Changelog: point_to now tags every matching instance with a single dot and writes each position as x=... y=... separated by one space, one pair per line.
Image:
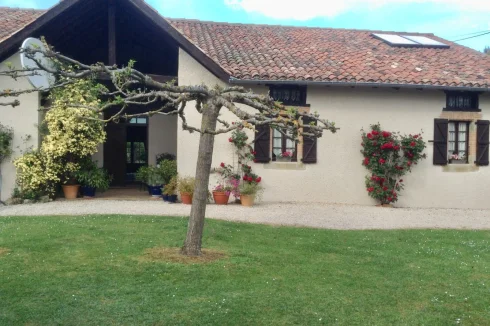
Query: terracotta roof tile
x=14 y=19
x=325 y=54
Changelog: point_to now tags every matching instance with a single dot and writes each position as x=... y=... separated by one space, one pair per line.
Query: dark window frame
x=283 y=146
x=456 y=140
x=133 y=151
x=473 y=98
x=281 y=88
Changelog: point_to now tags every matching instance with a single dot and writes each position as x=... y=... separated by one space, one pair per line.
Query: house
x=408 y=82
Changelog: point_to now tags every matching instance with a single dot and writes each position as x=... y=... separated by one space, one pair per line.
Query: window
x=462 y=101
x=281 y=144
x=289 y=95
x=135 y=153
x=457 y=144
x=138 y=121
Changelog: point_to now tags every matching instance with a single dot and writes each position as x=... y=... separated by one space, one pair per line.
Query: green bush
x=6 y=138
x=90 y=175
x=186 y=185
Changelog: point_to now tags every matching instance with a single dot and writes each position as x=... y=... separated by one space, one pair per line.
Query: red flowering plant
x=226 y=175
x=389 y=156
x=245 y=153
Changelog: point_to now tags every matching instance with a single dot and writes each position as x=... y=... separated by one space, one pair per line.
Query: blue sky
x=450 y=19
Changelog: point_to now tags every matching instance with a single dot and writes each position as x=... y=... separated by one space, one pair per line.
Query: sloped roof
x=14 y=19
x=278 y=53
x=301 y=54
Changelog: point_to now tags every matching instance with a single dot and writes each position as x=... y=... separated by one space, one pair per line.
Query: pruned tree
x=131 y=87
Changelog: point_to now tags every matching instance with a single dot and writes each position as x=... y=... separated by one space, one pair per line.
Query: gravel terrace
x=317 y=215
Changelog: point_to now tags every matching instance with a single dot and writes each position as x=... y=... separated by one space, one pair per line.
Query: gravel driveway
x=328 y=216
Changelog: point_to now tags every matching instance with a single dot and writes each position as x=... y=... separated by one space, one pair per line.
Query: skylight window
x=410 y=41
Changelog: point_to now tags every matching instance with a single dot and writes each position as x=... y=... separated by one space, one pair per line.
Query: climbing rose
x=250 y=179
x=381 y=161
x=222 y=164
x=374 y=132
x=370 y=136
x=258 y=179
x=412 y=144
x=366 y=161
x=386 y=134
x=396 y=148
x=409 y=163
x=416 y=136
x=245 y=178
x=230 y=140
x=370 y=189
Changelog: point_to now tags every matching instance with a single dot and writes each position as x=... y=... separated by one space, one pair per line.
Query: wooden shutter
x=440 y=141
x=482 y=138
x=309 y=144
x=262 y=144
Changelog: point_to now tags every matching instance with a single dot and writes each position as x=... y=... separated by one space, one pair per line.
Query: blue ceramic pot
x=165 y=197
x=88 y=191
x=172 y=198
x=155 y=191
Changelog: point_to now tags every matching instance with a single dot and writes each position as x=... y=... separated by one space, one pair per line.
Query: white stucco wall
x=162 y=136
x=338 y=177
x=23 y=119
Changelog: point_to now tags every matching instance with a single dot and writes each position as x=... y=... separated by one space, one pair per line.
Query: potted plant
x=249 y=192
x=221 y=192
x=170 y=190
x=93 y=178
x=155 y=181
x=284 y=156
x=186 y=188
x=142 y=176
x=70 y=185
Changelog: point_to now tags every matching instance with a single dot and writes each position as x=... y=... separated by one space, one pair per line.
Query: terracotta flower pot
x=247 y=200
x=186 y=198
x=221 y=197
x=70 y=191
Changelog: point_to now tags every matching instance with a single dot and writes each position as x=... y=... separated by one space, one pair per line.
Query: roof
x=273 y=53
x=14 y=19
x=285 y=53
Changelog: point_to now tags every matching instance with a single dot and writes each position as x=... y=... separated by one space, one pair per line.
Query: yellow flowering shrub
x=74 y=132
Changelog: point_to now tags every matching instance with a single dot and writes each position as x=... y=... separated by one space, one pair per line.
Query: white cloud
x=19 y=3
x=309 y=9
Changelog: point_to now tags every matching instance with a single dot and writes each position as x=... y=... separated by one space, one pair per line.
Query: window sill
x=285 y=166
x=460 y=168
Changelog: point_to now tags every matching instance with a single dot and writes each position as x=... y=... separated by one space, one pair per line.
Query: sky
x=449 y=19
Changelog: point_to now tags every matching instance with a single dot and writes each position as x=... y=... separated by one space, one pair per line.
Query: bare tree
x=132 y=87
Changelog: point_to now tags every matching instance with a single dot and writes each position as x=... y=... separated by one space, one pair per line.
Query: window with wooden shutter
x=440 y=141
x=262 y=144
x=309 y=143
x=482 y=139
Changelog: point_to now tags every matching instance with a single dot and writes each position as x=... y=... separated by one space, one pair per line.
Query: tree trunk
x=193 y=241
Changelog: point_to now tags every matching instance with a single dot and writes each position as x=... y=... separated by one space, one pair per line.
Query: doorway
x=126 y=149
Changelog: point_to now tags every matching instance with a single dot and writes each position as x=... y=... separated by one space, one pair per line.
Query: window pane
x=452 y=126
x=277 y=142
x=277 y=151
x=128 y=152
x=133 y=120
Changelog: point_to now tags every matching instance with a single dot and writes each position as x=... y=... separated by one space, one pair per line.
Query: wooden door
x=115 y=152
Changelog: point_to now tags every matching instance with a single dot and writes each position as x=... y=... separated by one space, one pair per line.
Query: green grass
x=88 y=270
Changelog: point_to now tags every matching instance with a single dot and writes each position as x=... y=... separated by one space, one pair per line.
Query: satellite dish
x=42 y=79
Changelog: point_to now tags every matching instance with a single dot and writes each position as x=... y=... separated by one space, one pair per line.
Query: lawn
x=92 y=270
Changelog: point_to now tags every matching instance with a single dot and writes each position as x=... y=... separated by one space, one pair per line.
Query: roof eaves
x=233 y=80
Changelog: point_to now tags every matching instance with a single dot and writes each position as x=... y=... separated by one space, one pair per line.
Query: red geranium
x=366 y=161
x=245 y=178
x=370 y=136
x=374 y=132
x=412 y=144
